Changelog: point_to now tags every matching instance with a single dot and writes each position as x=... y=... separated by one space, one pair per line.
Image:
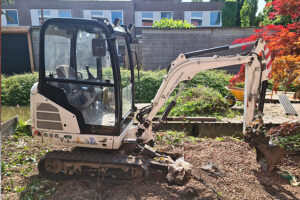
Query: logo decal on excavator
x=92 y=141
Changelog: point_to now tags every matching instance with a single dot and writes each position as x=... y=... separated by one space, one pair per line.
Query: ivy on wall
x=229 y=14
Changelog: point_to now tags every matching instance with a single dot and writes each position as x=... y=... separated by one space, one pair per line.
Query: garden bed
x=242 y=175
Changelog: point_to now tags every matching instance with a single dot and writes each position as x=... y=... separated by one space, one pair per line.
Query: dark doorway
x=15 y=54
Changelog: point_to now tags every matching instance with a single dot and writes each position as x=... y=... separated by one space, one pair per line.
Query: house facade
x=142 y=13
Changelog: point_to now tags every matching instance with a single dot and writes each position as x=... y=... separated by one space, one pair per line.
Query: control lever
x=90 y=75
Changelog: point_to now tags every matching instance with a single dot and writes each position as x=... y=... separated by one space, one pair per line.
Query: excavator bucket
x=268 y=155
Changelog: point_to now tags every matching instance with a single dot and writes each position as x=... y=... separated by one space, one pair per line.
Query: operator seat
x=76 y=94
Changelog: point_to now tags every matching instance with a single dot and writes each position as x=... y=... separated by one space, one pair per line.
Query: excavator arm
x=186 y=66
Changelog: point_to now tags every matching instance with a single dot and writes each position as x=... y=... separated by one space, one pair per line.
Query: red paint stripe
x=265 y=47
x=268 y=65
x=268 y=54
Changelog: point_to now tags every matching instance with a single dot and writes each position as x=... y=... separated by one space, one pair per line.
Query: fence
x=162 y=46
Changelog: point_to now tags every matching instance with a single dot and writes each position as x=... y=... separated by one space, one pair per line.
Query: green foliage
x=37 y=190
x=290 y=142
x=229 y=14
x=23 y=129
x=6 y=2
x=171 y=23
x=15 y=90
x=281 y=87
x=279 y=19
x=200 y=101
x=248 y=12
x=174 y=137
x=238 y=12
x=215 y=79
x=150 y=83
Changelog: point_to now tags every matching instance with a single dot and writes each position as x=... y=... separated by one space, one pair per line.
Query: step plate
x=288 y=107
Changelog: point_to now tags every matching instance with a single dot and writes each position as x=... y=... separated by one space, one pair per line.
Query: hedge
x=16 y=88
x=171 y=23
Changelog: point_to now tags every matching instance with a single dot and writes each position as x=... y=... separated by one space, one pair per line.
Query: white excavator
x=83 y=100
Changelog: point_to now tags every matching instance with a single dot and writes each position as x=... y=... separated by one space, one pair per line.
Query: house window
x=167 y=15
x=96 y=14
x=215 y=18
x=46 y=15
x=196 y=18
x=117 y=14
x=147 y=18
x=12 y=17
x=64 y=13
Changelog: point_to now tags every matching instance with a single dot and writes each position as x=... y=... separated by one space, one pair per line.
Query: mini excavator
x=83 y=101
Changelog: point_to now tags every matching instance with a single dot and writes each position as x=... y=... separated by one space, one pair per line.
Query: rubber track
x=88 y=157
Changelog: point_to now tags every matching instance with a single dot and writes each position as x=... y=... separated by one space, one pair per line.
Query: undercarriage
x=110 y=166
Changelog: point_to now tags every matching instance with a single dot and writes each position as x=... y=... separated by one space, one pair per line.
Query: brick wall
x=161 y=47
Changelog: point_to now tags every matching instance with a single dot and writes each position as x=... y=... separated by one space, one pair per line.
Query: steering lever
x=90 y=75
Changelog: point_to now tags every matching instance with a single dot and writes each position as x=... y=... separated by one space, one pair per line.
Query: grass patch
x=174 y=137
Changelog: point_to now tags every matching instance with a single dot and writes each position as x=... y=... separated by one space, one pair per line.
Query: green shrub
x=171 y=23
x=215 y=79
x=200 y=101
x=15 y=90
x=150 y=83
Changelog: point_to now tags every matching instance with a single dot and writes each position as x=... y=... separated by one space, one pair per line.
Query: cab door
x=127 y=78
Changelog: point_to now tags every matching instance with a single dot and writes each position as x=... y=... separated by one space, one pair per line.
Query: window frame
x=122 y=20
x=65 y=10
x=166 y=12
x=95 y=16
x=18 y=24
x=147 y=18
x=197 y=18
x=220 y=24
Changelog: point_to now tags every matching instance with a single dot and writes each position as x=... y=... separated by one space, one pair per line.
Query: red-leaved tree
x=284 y=43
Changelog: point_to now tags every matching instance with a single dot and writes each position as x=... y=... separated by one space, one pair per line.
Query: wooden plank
x=19 y=29
x=30 y=51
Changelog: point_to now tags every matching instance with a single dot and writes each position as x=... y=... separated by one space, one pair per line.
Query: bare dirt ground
x=243 y=178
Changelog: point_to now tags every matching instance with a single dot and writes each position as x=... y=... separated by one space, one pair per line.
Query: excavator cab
x=81 y=89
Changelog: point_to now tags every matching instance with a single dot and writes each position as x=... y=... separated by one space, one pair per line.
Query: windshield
x=79 y=55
